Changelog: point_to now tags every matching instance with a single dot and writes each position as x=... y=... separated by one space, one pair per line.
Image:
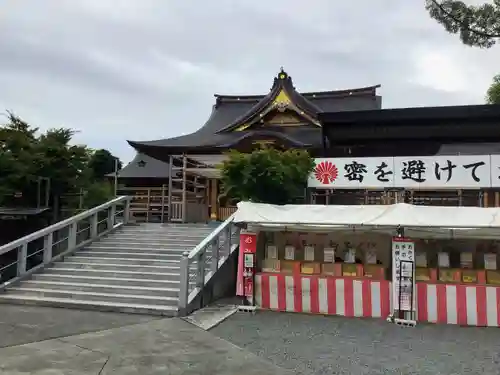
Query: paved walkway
x=322 y=345
x=20 y=324
x=156 y=346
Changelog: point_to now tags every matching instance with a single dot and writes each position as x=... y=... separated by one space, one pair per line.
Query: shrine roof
x=230 y=111
x=143 y=166
x=415 y=114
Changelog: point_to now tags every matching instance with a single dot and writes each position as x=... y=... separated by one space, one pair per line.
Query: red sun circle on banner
x=326 y=172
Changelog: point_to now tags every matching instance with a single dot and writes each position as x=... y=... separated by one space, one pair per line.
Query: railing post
x=72 y=235
x=47 y=248
x=184 y=280
x=111 y=216
x=200 y=269
x=214 y=266
x=126 y=211
x=227 y=241
x=94 y=223
x=22 y=257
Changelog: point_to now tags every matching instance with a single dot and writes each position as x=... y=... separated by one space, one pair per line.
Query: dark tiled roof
x=479 y=148
x=424 y=115
x=144 y=166
x=230 y=108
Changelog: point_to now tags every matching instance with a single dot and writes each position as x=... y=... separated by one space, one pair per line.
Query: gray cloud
x=147 y=69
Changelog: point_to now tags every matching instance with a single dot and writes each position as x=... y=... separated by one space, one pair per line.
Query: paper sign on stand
x=271 y=252
x=289 y=252
x=329 y=255
x=490 y=261
x=309 y=253
x=403 y=275
x=443 y=260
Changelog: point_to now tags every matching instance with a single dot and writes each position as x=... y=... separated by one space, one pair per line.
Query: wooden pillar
x=497 y=199
x=485 y=199
x=213 y=199
x=184 y=189
x=170 y=187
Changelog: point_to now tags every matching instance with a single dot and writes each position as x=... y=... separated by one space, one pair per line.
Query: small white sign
x=443 y=260
x=371 y=256
x=289 y=252
x=248 y=262
x=490 y=261
x=329 y=255
x=271 y=252
x=466 y=260
x=309 y=253
x=421 y=259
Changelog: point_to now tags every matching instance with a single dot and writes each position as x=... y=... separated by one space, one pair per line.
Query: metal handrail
x=221 y=248
x=56 y=247
x=60 y=225
x=206 y=241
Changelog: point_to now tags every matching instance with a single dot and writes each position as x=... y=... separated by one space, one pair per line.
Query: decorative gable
x=283 y=98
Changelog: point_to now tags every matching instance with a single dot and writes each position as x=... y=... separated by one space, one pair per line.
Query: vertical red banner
x=248 y=245
x=248 y=242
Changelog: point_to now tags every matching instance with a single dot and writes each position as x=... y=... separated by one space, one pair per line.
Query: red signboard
x=248 y=242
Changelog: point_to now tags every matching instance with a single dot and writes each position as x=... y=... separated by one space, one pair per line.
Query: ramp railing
x=26 y=255
x=199 y=265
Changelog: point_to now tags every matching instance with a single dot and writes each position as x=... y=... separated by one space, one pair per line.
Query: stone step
x=131 y=246
x=134 y=269
x=140 y=250
x=68 y=263
x=112 y=273
x=102 y=287
x=168 y=232
x=150 y=244
x=129 y=308
x=94 y=296
x=161 y=239
x=146 y=255
x=95 y=278
x=124 y=260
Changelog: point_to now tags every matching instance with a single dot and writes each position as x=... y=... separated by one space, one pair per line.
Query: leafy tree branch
x=477 y=26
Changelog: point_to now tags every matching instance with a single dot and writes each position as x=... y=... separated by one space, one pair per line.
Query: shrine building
x=348 y=132
x=284 y=118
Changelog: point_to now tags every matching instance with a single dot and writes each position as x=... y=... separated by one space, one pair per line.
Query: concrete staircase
x=134 y=269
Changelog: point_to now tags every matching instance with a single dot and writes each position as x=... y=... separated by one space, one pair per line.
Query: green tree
x=266 y=176
x=26 y=156
x=18 y=160
x=477 y=25
x=493 y=93
x=102 y=162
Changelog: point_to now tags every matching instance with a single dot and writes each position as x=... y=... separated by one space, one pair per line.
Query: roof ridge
x=305 y=94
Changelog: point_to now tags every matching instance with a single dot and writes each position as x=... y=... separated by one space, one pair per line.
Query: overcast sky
x=147 y=69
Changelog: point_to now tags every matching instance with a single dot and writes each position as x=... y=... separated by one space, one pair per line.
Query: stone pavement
x=329 y=345
x=161 y=346
x=21 y=324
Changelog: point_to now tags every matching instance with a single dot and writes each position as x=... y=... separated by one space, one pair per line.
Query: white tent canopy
x=418 y=221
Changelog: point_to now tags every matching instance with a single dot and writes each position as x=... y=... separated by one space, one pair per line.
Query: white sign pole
x=403 y=281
